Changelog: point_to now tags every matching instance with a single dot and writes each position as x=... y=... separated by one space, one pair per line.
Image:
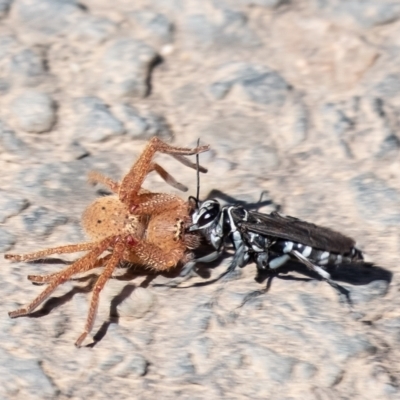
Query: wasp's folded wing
x=296 y=230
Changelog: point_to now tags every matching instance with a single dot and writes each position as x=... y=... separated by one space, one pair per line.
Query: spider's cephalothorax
x=270 y=240
x=133 y=225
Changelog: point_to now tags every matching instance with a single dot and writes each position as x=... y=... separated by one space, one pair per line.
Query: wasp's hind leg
x=325 y=276
x=266 y=264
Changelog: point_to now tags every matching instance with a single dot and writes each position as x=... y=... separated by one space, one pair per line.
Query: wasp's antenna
x=198 y=174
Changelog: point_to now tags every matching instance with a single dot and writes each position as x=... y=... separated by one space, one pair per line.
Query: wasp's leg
x=265 y=261
x=189 y=266
x=324 y=275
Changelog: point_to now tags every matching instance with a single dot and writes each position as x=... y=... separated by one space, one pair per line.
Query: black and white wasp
x=270 y=240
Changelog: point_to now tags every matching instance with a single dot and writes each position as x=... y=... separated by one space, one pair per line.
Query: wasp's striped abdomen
x=317 y=256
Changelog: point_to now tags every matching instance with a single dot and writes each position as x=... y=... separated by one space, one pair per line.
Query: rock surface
x=297 y=98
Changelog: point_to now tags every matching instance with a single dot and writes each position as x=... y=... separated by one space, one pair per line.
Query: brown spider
x=134 y=225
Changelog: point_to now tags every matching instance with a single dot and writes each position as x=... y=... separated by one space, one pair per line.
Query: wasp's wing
x=296 y=230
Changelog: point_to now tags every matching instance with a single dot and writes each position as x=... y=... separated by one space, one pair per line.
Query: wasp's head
x=205 y=215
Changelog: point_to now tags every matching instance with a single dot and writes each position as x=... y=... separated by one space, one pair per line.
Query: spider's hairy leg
x=133 y=181
x=47 y=278
x=156 y=203
x=99 y=285
x=83 y=264
x=72 y=248
x=96 y=177
x=157 y=259
x=167 y=177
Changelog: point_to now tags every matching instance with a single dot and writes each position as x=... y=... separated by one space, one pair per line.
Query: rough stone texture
x=297 y=98
x=142 y=125
x=45 y=19
x=125 y=68
x=4 y=7
x=95 y=122
x=9 y=141
x=34 y=111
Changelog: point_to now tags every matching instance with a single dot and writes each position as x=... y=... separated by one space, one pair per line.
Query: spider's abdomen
x=107 y=216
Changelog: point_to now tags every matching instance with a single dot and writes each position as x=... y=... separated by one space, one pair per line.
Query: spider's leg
x=72 y=248
x=96 y=177
x=98 y=286
x=133 y=181
x=47 y=278
x=157 y=259
x=156 y=203
x=83 y=264
x=167 y=177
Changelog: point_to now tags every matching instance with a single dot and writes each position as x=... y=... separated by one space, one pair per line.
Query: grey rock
x=330 y=375
x=175 y=363
x=259 y=83
x=349 y=347
x=62 y=185
x=142 y=125
x=266 y=88
x=95 y=121
x=389 y=148
x=312 y=304
x=7 y=240
x=305 y=371
x=267 y=154
x=4 y=7
x=366 y=293
x=388 y=87
x=10 y=142
x=260 y=3
x=111 y=361
x=226 y=32
x=134 y=365
x=77 y=151
x=125 y=68
x=198 y=319
x=301 y=122
x=45 y=18
x=278 y=367
x=23 y=377
x=41 y=221
x=8 y=44
x=11 y=204
x=342 y=345
x=366 y=13
x=336 y=119
x=28 y=67
x=155 y=24
x=138 y=304
x=93 y=30
x=376 y=200
x=390 y=328
x=220 y=89
x=34 y=111
x=4 y=86
x=199 y=31
x=201 y=349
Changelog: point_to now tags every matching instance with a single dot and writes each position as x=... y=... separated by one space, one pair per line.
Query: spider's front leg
x=132 y=182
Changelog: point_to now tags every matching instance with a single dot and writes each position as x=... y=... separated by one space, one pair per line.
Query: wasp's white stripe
x=324 y=255
x=288 y=247
x=307 y=251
